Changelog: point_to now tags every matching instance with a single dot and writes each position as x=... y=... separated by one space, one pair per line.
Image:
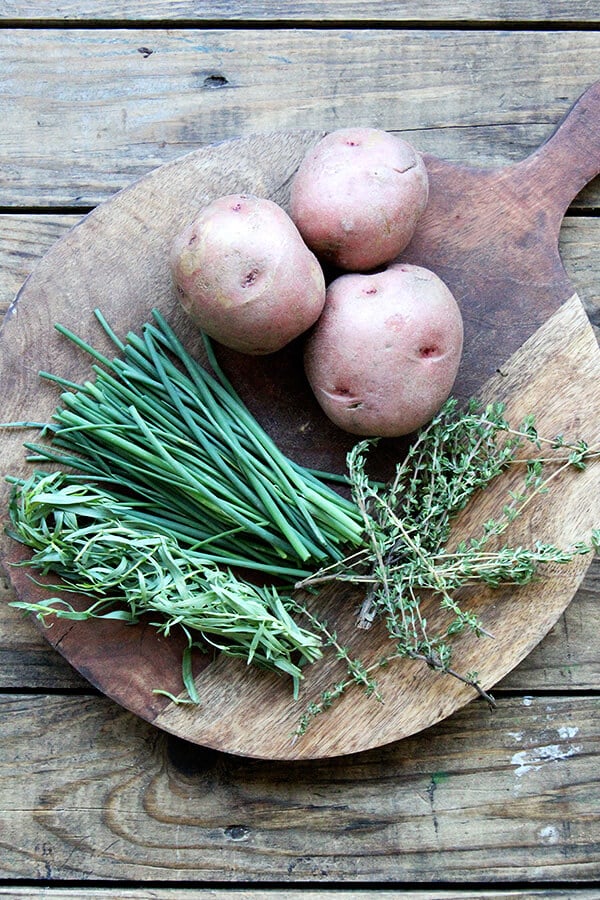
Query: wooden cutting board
x=492 y=235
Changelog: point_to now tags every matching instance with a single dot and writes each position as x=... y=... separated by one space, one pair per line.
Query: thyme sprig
x=408 y=522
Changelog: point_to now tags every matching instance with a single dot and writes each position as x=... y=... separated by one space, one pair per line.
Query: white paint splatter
x=549 y=834
x=526 y=760
x=565 y=732
x=516 y=735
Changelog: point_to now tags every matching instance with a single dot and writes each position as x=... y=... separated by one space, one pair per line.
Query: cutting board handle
x=562 y=166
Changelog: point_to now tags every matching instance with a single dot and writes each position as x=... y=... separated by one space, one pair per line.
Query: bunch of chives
x=157 y=429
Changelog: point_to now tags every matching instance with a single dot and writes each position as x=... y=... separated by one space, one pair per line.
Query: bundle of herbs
x=167 y=489
x=164 y=489
x=99 y=547
x=407 y=554
x=156 y=426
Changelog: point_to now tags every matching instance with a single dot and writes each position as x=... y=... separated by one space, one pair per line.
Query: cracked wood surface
x=350 y=11
x=97 y=794
x=86 y=789
x=75 y=142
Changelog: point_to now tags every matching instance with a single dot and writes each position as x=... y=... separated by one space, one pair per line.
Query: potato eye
x=250 y=277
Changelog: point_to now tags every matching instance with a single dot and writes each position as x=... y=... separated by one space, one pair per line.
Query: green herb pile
x=407 y=555
x=167 y=486
x=185 y=452
x=98 y=548
x=167 y=489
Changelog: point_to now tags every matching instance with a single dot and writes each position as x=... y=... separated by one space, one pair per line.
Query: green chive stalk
x=156 y=428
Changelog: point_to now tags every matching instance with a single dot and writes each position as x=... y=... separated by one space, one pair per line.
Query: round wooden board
x=530 y=326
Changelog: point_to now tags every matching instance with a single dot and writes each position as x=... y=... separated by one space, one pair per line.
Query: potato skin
x=245 y=276
x=384 y=355
x=357 y=196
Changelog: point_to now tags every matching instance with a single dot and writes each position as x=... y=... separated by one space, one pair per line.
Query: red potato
x=384 y=355
x=245 y=276
x=357 y=197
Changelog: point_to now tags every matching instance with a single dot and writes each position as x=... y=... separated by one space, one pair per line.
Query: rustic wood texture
x=82 y=893
x=347 y=11
x=489 y=97
x=569 y=658
x=475 y=221
x=95 y=793
x=494 y=97
x=24 y=238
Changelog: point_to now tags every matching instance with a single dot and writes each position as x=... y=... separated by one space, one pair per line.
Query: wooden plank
x=410 y=11
x=91 y=792
x=365 y=893
x=24 y=238
x=75 y=141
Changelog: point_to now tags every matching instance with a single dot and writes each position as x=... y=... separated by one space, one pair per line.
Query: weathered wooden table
x=94 y=802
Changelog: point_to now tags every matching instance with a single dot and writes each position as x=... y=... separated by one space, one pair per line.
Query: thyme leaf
x=407 y=528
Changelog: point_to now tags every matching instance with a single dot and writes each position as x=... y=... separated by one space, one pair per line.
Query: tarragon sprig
x=133 y=571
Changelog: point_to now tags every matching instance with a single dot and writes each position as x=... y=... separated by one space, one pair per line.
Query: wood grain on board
x=348 y=11
x=94 y=893
x=74 y=142
x=493 y=236
x=86 y=787
x=92 y=792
